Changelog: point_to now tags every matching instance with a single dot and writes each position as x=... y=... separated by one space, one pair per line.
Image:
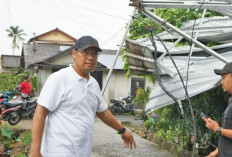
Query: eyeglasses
x=89 y=53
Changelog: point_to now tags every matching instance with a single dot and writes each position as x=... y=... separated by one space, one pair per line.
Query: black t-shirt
x=225 y=143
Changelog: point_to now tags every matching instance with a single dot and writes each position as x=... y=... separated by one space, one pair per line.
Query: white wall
x=43 y=75
x=119 y=86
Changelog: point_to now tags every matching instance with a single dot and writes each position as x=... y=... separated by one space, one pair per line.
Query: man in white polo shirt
x=64 y=118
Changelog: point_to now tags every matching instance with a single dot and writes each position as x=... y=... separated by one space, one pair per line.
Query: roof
x=39 y=52
x=108 y=59
x=215 y=29
x=105 y=59
x=38 y=37
x=201 y=78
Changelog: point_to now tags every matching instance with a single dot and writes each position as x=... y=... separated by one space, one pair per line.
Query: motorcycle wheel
x=14 y=118
x=114 y=110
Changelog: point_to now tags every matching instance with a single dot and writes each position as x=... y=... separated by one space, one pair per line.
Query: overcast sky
x=103 y=19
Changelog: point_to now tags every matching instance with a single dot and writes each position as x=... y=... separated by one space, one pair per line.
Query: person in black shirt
x=225 y=131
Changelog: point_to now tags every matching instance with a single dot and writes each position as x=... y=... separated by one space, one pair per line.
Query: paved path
x=106 y=143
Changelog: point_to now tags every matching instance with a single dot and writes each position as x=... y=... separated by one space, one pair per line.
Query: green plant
x=126 y=64
x=142 y=96
x=171 y=126
x=16 y=34
x=148 y=124
x=35 y=83
x=27 y=139
x=21 y=155
x=8 y=137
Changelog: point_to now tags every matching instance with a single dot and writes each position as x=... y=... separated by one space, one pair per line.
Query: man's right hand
x=213 y=154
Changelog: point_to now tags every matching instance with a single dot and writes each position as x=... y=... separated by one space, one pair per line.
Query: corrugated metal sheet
x=201 y=78
x=107 y=60
x=40 y=52
x=213 y=29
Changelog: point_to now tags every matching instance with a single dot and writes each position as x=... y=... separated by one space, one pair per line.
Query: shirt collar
x=90 y=81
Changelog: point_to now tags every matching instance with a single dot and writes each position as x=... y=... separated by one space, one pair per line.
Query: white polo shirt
x=73 y=102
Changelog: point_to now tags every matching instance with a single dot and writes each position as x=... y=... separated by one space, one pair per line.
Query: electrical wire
x=96 y=11
x=9 y=12
x=105 y=6
x=112 y=36
x=150 y=34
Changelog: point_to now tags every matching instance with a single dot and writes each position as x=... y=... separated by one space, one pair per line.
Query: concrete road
x=107 y=143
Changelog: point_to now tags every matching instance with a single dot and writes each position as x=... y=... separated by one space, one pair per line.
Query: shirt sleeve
x=51 y=94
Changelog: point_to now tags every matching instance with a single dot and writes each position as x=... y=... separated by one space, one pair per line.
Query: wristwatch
x=122 y=130
x=218 y=131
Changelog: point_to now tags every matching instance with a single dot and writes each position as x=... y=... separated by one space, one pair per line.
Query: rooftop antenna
x=34 y=49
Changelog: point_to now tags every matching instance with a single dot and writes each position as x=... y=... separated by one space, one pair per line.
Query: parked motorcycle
x=4 y=97
x=19 y=107
x=118 y=107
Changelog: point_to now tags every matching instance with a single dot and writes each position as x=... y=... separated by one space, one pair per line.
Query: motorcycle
x=9 y=112
x=118 y=107
x=19 y=107
x=4 y=97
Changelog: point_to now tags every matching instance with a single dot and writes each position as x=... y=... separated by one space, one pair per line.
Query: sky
x=105 y=20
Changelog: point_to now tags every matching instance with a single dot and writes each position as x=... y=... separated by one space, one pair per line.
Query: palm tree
x=16 y=33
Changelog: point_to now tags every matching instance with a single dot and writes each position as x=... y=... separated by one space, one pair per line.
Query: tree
x=16 y=34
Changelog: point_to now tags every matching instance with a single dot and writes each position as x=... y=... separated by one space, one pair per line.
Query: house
x=118 y=86
x=10 y=61
x=46 y=45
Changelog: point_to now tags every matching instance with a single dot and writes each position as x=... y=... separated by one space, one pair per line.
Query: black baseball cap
x=86 y=42
x=226 y=69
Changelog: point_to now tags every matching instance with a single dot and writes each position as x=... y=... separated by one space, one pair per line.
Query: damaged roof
x=201 y=76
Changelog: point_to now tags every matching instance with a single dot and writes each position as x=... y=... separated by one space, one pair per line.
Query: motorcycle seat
x=116 y=101
x=13 y=104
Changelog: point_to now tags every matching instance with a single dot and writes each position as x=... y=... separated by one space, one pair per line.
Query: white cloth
x=73 y=102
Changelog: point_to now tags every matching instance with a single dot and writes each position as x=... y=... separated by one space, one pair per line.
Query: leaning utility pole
x=117 y=53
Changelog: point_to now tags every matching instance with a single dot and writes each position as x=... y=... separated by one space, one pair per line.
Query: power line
x=102 y=4
x=66 y=14
x=112 y=36
x=90 y=9
x=9 y=12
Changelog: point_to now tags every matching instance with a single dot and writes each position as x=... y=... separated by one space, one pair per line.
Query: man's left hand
x=128 y=139
x=211 y=124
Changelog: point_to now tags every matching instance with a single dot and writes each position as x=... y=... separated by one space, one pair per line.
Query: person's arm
x=37 y=130
x=107 y=117
x=21 y=86
x=213 y=125
x=213 y=154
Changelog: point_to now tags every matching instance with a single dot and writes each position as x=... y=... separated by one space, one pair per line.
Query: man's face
x=85 y=60
x=227 y=83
